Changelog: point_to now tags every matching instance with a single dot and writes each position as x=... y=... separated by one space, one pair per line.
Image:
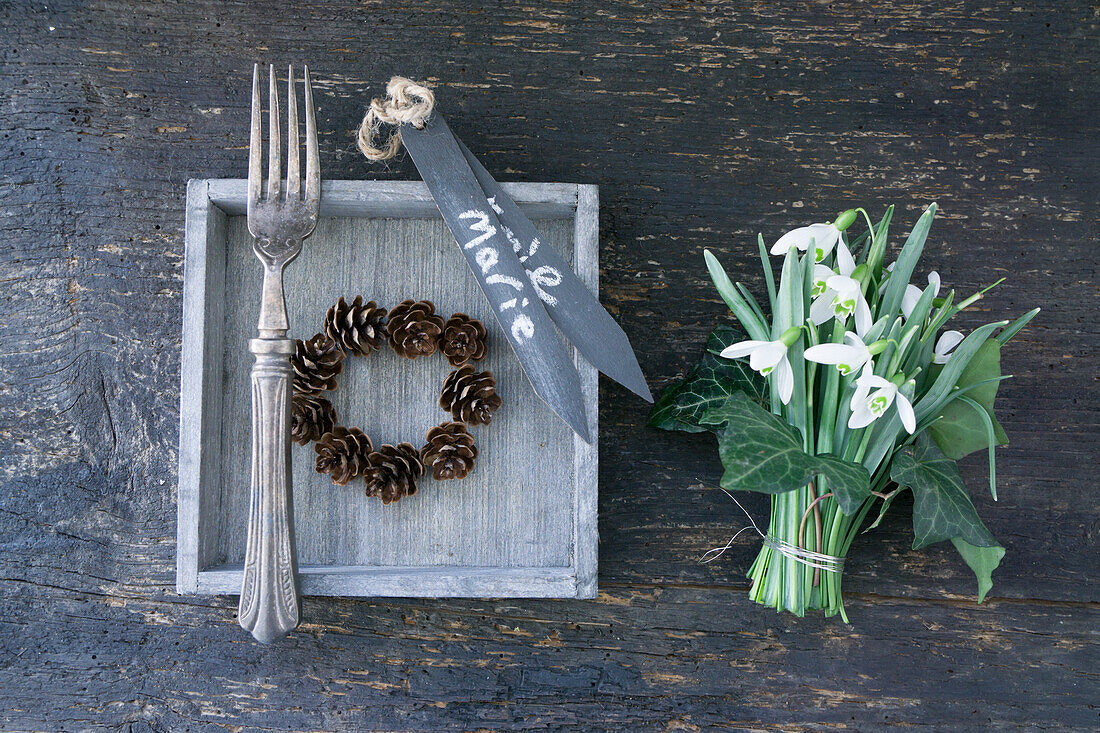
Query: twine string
x=406 y=102
x=818 y=560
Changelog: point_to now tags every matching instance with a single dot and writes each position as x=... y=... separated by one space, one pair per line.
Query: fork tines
x=274 y=174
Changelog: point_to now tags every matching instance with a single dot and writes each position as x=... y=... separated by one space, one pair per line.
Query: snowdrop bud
x=861 y=273
x=845 y=219
x=791 y=335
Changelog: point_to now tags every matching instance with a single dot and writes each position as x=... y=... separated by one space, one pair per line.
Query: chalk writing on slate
x=488 y=258
x=502 y=278
x=572 y=306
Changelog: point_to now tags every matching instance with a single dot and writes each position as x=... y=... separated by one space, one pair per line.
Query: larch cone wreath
x=412 y=329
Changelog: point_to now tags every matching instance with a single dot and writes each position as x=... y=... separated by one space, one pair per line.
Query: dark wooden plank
x=642 y=658
x=702 y=124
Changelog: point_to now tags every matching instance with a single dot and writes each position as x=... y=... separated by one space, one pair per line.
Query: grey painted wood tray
x=522 y=524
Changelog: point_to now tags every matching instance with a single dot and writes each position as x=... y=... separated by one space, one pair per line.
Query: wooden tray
x=522 y=524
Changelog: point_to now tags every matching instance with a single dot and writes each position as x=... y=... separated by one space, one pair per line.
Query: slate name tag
x=502 y=278
x=527 y=284
x=572 y=306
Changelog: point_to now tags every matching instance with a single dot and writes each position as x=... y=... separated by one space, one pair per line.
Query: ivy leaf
x=942 y=510
x=960 y=429
x=983 y=561
x=709 y=384
x=762 y=453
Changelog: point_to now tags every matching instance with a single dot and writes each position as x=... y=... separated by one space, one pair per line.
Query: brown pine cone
x=463 y=340
x=470 y=396
x=414 y=328
x=311 y=416
x=357 y=328
x=342 y=453
x=449 y=451
x=392 y=471
x=316 y=363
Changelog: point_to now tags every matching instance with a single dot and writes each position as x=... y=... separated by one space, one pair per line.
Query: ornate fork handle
x=270 y=606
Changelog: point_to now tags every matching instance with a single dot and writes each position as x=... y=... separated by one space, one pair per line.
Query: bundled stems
x=858 y=388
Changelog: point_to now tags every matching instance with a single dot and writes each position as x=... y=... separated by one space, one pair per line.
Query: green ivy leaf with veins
x=983 y=561
x=942 y=509
x=762 y=453
x=709 y=384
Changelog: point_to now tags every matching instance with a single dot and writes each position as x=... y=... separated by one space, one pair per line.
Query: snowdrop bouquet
x=850 y=393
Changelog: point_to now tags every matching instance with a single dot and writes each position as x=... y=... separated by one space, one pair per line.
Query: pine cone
x=463 y=340
x=415 y=328
x=392 y=471
x=316 y=363
x=357 y=329
x=343 y=453
x=470 y=396
x=311 y=417
x=450 y=451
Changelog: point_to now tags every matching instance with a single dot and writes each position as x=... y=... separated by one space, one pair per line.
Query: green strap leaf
x=769 y=276
x=1014 y=328
x=942 y=509
x=877 y=251
x=991 y=440
x=906 y=263
x=756 y=328
x=762 y=453
x=983 y=561
x=709 y=384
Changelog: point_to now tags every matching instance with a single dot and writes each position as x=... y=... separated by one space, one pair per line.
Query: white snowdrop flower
x=847 y=357
x=823 y=306
x=945 y=345
x=769 y=358
x=873 y=398
x=823 y=236
x=847 y=300
x=913 y=293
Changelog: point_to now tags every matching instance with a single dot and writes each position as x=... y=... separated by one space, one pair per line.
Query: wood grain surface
x=703 y=123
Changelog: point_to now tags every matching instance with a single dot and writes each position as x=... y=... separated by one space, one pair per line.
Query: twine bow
x=406 y=102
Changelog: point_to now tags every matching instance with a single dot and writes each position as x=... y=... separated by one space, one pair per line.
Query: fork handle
x=273 y=321
x=270 y=606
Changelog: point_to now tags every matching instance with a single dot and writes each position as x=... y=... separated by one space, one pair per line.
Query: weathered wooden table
x=703 y=123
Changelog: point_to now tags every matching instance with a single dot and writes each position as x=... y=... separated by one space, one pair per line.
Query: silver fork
x=270 y=606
